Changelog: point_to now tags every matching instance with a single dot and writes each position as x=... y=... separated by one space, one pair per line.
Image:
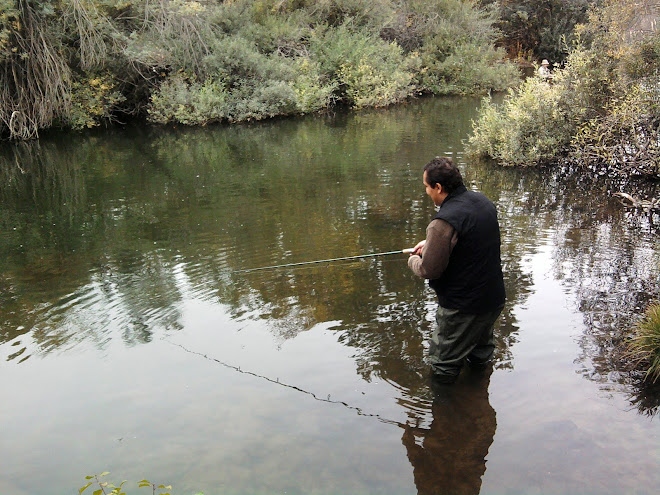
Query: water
x=130 y=344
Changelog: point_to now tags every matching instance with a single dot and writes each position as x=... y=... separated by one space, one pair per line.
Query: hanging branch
x=34 y=79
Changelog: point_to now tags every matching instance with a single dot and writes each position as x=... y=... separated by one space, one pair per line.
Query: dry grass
x=645 y=345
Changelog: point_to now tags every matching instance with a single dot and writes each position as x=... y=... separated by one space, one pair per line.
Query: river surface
x=130 y=342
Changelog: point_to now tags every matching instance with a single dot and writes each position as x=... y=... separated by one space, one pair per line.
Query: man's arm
x=441 y=238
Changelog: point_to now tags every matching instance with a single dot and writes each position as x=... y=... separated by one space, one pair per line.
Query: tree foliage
x=539 y=29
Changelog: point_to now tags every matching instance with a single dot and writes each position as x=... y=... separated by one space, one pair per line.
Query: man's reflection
x=449 y=458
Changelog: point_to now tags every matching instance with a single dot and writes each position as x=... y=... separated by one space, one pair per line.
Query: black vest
x=473 y=281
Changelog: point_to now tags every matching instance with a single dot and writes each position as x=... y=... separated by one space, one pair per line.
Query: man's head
x=441 y=178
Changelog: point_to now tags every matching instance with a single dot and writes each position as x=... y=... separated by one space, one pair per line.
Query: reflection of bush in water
x=607 y=256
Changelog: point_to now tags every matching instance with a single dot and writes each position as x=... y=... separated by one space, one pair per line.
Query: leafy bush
x=367 y=14
x=539 y=29
x=196 y=62
x=180 y=99
x=236 y=60
x=93 y=101
x=256 y=102
x=528 y=128
x=366 y=71
x=312 y=93
x=457 y=52
x=470 y=69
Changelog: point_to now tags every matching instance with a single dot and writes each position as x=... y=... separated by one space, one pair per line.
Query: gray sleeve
x=441 y=238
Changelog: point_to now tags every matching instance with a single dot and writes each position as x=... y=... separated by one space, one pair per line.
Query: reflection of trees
x=609 y=259
x=63 y=277
x=130 y=225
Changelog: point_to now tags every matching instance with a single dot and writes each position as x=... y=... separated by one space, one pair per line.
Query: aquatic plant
x=645 y=345
x=108 y=488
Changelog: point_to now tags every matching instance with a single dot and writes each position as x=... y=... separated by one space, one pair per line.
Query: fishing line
x=359 y=410
x=285 y=265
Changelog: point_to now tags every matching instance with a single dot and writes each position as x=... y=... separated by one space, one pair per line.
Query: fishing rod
x=404 y=251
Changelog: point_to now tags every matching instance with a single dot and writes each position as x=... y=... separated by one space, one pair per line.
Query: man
x=461 y=259
x=544 y=70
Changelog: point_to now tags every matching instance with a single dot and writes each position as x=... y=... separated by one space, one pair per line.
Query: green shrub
x=538 y=29
x=645 y=345
x=528 y=128
x=470 y=69
x=627 y=137
x=236 y=61
x=457 y=53
x=366 y=71
x=256 y=102
x=369 y=14
x=312 y=94
x=175 y=35
x=179 y=99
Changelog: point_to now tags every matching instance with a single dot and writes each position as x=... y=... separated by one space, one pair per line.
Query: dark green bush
x=180 y=99
x=539 y=29
x=94 y=100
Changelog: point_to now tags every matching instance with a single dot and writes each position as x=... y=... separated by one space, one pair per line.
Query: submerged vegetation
x=600 y=111
x=80 y=63
x=108 y=488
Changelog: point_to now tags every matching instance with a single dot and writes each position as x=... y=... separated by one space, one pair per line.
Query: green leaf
x=84 y=487
x=89 y=477
x=104 y=473
x=98 y=492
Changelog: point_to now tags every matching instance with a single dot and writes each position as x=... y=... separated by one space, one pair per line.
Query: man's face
x=433 y=192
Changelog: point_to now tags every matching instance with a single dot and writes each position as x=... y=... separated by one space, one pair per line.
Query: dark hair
x=441 y=170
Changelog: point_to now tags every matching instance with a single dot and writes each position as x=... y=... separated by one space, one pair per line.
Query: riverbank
x=79 y=65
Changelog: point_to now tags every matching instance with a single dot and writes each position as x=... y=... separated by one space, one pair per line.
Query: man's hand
x=418 y=248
